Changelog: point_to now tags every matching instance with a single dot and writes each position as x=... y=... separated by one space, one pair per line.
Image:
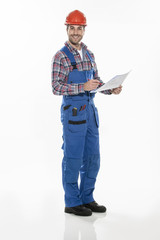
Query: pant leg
x=91 y=158
x=72 y=194
x=74 y=132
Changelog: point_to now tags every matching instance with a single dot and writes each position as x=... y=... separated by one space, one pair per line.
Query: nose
x=75 y=31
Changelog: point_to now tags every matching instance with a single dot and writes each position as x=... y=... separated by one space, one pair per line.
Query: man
x=74 y=75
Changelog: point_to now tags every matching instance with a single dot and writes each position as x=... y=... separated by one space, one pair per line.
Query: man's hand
x=116 y=90
x=91 y=85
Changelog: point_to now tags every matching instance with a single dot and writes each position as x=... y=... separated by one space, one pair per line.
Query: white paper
x=113 y=83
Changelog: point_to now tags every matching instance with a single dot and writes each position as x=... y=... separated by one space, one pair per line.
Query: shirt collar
x=74 y=50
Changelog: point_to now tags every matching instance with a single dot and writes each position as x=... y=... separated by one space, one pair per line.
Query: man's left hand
x=116 y=90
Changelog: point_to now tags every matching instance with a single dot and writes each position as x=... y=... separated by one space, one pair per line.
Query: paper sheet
x=113 y=83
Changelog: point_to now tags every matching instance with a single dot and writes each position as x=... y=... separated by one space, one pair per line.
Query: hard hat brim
x=75 y=23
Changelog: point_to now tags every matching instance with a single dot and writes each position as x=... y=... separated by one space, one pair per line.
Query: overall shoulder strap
x=91 y=59
x=69 y=55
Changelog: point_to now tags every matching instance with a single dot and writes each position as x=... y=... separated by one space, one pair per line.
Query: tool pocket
x=77 y=123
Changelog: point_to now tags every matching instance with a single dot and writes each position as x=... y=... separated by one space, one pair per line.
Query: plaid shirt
x=61 y=67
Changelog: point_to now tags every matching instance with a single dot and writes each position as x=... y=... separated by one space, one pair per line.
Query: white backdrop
x=124 y=35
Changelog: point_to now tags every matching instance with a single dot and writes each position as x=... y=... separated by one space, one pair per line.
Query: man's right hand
x=91 y=85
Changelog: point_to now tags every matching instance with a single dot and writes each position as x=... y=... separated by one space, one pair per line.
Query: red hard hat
x=76 y=18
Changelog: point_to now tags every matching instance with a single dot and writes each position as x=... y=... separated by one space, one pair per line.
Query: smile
x=75 y=37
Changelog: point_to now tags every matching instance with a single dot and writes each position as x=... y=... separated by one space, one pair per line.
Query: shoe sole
x=99 y=211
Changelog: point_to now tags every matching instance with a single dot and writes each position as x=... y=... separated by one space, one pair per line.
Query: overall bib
x=80 y=139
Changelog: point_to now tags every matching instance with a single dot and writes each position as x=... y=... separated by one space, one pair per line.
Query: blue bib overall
x=80 y=139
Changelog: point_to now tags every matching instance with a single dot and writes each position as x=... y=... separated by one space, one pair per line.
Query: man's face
x=75 y=33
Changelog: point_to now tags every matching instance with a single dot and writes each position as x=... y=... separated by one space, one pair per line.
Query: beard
x=75 y=41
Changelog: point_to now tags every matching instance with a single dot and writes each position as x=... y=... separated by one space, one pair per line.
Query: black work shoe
x=95 y=207
x=78 y=210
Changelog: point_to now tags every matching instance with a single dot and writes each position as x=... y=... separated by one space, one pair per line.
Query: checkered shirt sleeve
x=60 y=71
